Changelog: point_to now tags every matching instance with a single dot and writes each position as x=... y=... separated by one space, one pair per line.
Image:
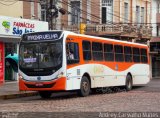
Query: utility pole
x=51 y=17
x=53 y=13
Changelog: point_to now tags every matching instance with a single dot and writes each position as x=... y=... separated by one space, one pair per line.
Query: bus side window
x=144 y=58
x=72 y=53
x=136 y=55
x=97 y=51
x=128 y=54
x=119 y=53
x=108 y=52
x=86 y=50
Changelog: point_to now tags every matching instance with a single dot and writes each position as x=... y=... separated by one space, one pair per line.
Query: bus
x=65 y=61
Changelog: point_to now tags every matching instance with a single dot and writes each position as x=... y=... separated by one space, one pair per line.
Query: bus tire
x=129 y=83
x=45 y=94
x=85 y=87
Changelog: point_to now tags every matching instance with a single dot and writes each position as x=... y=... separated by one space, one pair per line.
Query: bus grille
x=40 y=86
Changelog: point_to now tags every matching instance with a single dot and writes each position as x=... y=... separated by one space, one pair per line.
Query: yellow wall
x=15 y=10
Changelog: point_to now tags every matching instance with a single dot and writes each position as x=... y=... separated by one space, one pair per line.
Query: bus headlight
x=20 y=76
x=61 y=74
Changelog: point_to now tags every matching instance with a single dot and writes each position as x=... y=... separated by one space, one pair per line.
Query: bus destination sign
x=41 y=36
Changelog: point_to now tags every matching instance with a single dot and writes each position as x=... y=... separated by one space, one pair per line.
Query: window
x=144 y=58
x=107 y=11
x=89 y=5
x=155 y=46
x=137 y=14
x=136 y=55
x=44 y=55
x=142 y=14
x=72 y=53
x=128 y=54
x=126 y=12
x=97 y=51
x=118 y=53
x=86 y=50
x=158 y=7
x=43 y=11
x=108 y=52
x=75 y=12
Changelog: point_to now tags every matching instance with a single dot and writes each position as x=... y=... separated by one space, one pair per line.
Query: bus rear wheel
x=45 y=94
x=84 y=87
x=129 y=83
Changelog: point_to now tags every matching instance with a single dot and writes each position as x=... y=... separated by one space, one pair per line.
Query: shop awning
x=13 y=60
x=8 y=38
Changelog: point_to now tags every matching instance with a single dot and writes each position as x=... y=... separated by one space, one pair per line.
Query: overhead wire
x=68 y=4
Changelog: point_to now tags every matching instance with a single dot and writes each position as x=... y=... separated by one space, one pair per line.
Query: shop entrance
x=10 y=75
x=155 y=57
x=156 y=66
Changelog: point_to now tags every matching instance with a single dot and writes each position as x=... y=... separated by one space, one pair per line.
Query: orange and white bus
x=63 y=61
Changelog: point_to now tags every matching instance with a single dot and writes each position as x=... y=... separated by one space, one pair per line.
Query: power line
x=68 y=4
x=95 y=15
x=79 y=17
x=116 y=16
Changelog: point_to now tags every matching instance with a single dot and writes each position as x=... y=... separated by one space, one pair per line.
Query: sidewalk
x=10 y=90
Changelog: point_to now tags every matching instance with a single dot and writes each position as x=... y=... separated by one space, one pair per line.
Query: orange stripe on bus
x=111 y=65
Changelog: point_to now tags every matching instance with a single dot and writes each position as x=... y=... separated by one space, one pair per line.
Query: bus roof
x=66 y=33
x=101 y=38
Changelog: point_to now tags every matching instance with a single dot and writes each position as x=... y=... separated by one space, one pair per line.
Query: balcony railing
x=103 y=29
x=127 y=30
x=73 y=28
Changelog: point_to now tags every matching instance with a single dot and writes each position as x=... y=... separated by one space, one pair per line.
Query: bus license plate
x=39 y=84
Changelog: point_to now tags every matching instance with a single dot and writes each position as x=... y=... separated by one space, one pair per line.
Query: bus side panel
x=140 y=74
x=100 y=76
x=74 y=76
x=104 y=76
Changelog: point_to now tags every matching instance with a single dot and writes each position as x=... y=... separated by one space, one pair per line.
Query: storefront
x=155 y=57
x=11 y=30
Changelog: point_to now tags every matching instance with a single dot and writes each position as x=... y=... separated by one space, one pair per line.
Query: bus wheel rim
x=129 y=84
x=85 y=86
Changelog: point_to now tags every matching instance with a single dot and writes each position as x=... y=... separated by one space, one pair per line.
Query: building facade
x=155 y=41
x=21 y=9
x=11 y=30
x=120 y=19
x=12 y=14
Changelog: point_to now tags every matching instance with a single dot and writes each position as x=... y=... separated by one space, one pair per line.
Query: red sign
x=1 y=63
x=24 y=24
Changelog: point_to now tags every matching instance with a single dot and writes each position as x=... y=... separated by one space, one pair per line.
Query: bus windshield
x=38 y=56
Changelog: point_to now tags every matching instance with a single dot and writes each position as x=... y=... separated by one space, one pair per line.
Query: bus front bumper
x=54 y=85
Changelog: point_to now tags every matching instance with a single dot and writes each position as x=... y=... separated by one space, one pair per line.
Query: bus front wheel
x=84 y=87
x=45 y=94
x=129 y=83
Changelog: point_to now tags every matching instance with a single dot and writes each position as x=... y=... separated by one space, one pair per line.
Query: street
x=140 y=99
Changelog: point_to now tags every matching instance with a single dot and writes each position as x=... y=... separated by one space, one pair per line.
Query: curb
x=18 y=95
